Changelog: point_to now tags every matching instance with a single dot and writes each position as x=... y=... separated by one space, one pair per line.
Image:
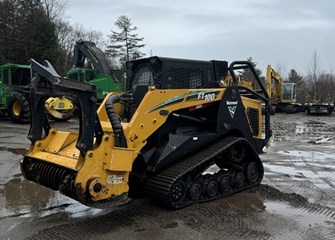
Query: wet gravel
x=294 y=201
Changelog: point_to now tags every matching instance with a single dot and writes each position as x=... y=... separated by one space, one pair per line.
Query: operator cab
x=289 y=92
x=171 y=73
x=17 y=75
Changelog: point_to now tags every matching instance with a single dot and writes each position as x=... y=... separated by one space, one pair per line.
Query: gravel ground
x=294 y=201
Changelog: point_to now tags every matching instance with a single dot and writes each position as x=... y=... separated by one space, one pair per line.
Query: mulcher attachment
x=50 y=175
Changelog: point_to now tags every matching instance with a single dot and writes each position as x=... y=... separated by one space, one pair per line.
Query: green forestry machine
x=13 y=78
x=14 y=90
x=105 y=79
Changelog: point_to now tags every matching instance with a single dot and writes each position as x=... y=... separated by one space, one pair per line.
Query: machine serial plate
x=115 y=179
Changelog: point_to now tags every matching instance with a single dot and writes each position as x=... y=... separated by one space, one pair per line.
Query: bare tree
x=321 y=83
x=55 y=9
x=39 y=29
x=281 y=69
x=67 y=37
x=313 y=73
x=326 y=86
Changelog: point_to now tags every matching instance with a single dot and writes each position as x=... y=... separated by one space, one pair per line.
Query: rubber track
x=158 y=187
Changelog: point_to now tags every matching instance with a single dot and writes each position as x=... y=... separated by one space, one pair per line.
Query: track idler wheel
x=177 y=192
x=252 y=172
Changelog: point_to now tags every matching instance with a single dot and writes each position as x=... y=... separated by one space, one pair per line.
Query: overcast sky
x=278 y=32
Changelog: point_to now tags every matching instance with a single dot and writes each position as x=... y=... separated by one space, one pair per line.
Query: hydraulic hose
x=120 y=140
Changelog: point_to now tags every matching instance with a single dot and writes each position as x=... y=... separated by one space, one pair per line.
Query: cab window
x=5 y=76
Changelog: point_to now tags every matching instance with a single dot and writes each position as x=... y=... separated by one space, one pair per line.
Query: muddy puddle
x=304 y=224
x=26 y=199
x=17 y=151
x=259 y=213
x=304 y=218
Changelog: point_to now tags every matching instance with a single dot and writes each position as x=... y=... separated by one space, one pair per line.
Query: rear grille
x=253 y=119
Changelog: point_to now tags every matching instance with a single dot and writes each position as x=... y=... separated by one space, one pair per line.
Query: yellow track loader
x=175 y=136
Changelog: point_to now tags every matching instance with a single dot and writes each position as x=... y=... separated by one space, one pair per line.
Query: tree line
x=38 y=29
x=316 y=85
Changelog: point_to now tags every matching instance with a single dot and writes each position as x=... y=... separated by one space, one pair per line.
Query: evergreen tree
x=294 y=77
x=247 y=75
x=125 y=44
x=26 y=32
